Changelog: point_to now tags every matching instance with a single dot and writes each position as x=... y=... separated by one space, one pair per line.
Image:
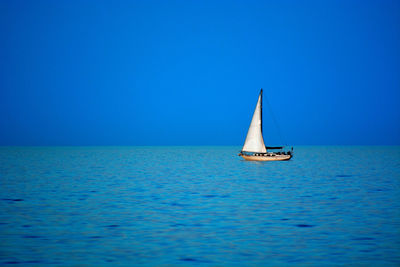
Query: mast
x=261 y=96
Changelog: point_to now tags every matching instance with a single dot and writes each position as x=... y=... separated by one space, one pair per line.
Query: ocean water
x=198 y=206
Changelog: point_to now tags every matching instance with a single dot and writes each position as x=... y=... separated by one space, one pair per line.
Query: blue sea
x=199 y=206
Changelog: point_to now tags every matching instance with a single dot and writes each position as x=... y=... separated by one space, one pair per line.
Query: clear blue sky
x=189 y=72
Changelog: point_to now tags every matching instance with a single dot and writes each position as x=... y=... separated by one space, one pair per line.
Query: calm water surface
x=175 y=206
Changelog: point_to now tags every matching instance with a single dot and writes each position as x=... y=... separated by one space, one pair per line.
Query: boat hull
x=267 y=158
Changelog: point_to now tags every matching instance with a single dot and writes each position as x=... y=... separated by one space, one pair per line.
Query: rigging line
x=276 y=122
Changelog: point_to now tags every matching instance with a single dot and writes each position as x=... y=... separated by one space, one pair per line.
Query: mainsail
x=254 y=139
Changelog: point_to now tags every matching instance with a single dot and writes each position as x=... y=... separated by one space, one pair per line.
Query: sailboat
x=254 y=148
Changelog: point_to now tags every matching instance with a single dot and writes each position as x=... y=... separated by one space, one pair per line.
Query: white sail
x=254 y=139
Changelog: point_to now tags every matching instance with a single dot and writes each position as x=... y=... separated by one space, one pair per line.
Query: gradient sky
x=189 y=72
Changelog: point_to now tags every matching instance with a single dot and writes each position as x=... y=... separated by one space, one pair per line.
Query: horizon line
x=190 y=145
